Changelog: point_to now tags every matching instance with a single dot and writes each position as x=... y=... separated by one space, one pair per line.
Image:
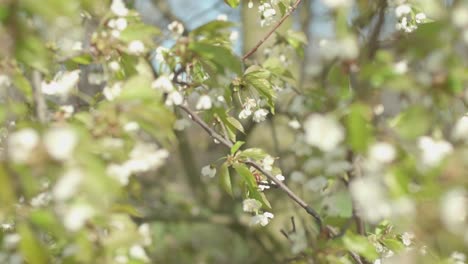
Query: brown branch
x=374 y=37
x=270 y=177
x=260 y=42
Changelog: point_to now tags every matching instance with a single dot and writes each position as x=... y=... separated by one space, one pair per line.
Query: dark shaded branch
x=39 y=100
x=373 y=43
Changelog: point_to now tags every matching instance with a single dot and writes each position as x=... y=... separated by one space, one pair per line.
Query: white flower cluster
x=164 y=84
x=253 y=206
x=323 y=132
x=62 y=84
x=458 y=258
x=267 y=164
x=208 y=171
x=407 y=20
x=267 y=13
x=460 y=19
x=250 y=107
x=59 y=143
x=144 y=157
x=176 y=28
x=433 y=151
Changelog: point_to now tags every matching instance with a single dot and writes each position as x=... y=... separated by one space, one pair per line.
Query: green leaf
x=211 y=27
x=253 y=153
x=32 y=52
x=83 y=59
x=361 y=246
x=412 y=123
x=219 y=55
x=137 y=88
x=30 y=246
x=225 y=179
x=232 y=3
x=234 y=123
x=246 y=175
x=139 y=31
x=393 y=244
x=23 y=85
x=359 y=127
x=236 y=146
x=262 y=85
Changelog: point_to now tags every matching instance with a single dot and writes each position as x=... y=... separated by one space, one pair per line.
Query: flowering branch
x=259 y=43
x=279 y=183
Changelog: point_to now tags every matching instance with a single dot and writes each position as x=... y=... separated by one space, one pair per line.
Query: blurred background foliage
x=359 y=106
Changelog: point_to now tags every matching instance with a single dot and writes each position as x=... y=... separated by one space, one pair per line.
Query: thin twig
x=374 y=36
x=260 y=42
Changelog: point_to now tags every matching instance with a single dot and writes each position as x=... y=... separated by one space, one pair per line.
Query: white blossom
x=208 y=171
x=174 y=98
x=40 y=200
x=407 y=238
x=77 y=215
x=62 y=84
x=234 y=36
x=121 y=23
x=244 y=113
x=433 y=151
x=280 y=177
x=222 y=17
x=114 y=66
x=137 y=252
x=323 y=132
x=460 y=16
x=400 y=67
x=181 y=124
x=262 y=219
x=263 y=185
x=163 y=83
x=251 y=205
x=60 y=142
x=382 y=152
x=204 y=103
x=160 y=51
x=119 y=172
x=250 y=4
x=337 y=3
x=294 y=124
x=110 y=93
x=145 y=157
x=10 y=241
x=67 y=110
x=67 y=185
x=21 y=143
x=368 y=194
x=260 y=115
x=267 y=163
x=145 y=231
x=268 y=14
x=176 y=28
x=118 y=7
x=136 y=47
x=420 y=18
x=454 y=211
x=131 y=126
x=460 y=131
x=402 y=10
x=458 y=257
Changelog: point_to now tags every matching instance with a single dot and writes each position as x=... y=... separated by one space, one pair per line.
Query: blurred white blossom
x=382 y=152
x=62 y=84
x=402 y=10
x=174 y=98
x=251 y=205
x=204 y=103
x=21 y=143
x=337 y=3
x=267 y=14
x=67 y=185
x=77 y=215
x=433 y=151
x=163 y=83
x=181 y=124
x=136 y=47
x=407 y=238
x=460 y=131
x=176 y=28
x=208 y=171
x=118 y=7
x=454 y=209
x=262 y=219
x=458 y=257
x=60 y=142
x=267 y=163
x=112 y=92
x=138 y=252
x=400 y=67
x=323 y=132
x=260 y=115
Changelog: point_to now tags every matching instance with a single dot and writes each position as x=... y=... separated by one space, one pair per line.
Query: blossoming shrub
x=360 y=158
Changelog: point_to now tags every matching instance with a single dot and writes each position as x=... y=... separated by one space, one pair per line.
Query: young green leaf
x=225 y=179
